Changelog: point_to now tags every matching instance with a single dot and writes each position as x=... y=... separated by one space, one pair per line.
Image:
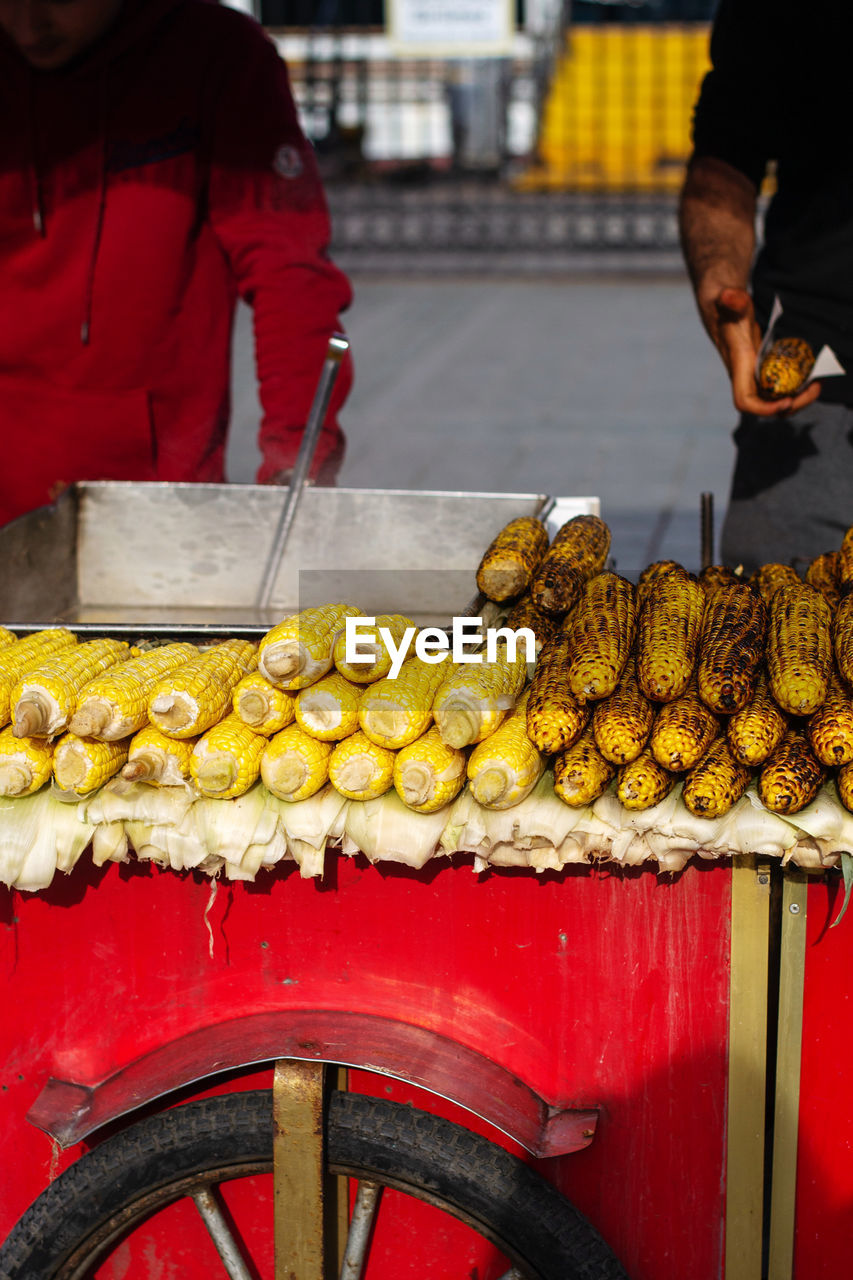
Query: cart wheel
x=88 y=1211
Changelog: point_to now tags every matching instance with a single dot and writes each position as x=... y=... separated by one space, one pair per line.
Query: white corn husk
x=386 y=830
x=119 y=800
x=464 y=830
x=39 y=834
x=308 y=826
x=530 y=833
x=228 y=827
x=110 y=843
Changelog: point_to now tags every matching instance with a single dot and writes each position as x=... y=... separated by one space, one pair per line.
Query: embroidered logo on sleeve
x=287 y=162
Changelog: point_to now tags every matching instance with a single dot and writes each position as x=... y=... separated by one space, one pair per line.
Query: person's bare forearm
x=717 y=224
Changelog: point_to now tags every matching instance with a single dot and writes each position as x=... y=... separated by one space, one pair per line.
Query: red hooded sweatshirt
x=141 y=190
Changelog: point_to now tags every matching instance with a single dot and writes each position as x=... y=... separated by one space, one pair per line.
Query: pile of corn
x=656 y=715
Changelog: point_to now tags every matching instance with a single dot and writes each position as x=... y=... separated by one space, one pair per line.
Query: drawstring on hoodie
x=86 y=326
x=33 y=170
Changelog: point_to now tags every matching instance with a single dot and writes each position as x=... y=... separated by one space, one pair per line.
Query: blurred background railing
x=507 y=132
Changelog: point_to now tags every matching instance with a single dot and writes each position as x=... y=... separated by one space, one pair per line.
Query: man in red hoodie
x=152 y=170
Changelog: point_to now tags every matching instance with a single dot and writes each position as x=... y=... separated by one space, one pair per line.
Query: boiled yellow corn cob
x=299 y=649
x=601 y=635
x=361 y=769
x=7 y=637
x=714 y=576
x=731 y=647
x=226 y=760
x=756 y=730
x=525 y=614
x=581 y=773
x=84 y=764
x=472 y=700
x=643 y=783
x=45 y=698
x=578 y=552
x=830 y=729
x=844 y=782
x=770 y=577
x=652 y=575
x=25 y=763
x=26 y=655
x=196 y=695
x=683 y=732
x=716 y=783
x=822 y=573
x=504 y=768
x=793 y=775
x=156 y=758
x=294 y=766
x=428 y=774
x=668 y=635
x=329 y=709
x=622 y=723
x=844 y=563
x=395 y=712
x=115 y=704
x=261 y=706
x=511 y=559
x=799 y=648
x=395 y=624
x=555 y=717
x=842 y=638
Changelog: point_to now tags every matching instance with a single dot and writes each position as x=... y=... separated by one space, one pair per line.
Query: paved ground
x=584 y=386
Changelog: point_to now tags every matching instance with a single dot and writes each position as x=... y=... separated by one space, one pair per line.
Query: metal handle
x=338 y=347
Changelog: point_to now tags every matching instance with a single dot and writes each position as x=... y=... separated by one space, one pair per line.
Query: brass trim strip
x=298 y=1181
x=750 y=925
x=792 y=969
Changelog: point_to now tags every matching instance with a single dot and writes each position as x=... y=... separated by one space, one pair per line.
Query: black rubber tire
x=73 y=1224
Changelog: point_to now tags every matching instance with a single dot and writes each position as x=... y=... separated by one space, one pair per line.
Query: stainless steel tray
x=163 y=558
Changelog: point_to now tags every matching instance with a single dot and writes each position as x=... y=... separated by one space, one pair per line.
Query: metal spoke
x=361 y=1224
x=220 y=1233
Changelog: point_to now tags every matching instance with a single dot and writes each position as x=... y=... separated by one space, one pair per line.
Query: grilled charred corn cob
x=683 y=732
x=799 y=648
x=84 y=764
x=294 y=765
x=822 y=573
x=601 y=635
x=45 y=698
x=830 y=729
x=361 y=769
x=471 y=701
x=512 y=558
x=26 y=655
x=428 y=773
x=156 y=758
x=642 y=783
x=714 y=576
x=756 y=730
x=770 y=577
x=793 y=775
x=394 y=712
x=329 y=709
x=668 y=636
x=622 y=723
x=581 y=773
x=555 y=717
x=844 y=782
x=525 y=614
x=261 y=706
x=299 y=650
x=844 y=563
x=716 y=783
x=505 y=767
x=578 y=552
x=115 y=704
x=842 y=638
x=653 y=573
x=785 y=368
x=194 y=696
x=370 y=641
x=226 y=760
x=25 y=763
x=731 y=647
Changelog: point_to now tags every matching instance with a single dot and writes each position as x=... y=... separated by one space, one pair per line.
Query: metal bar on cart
x=338 y=347
x=303 y=1199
